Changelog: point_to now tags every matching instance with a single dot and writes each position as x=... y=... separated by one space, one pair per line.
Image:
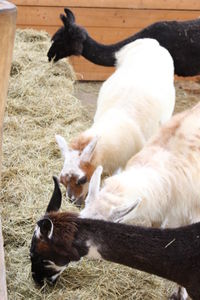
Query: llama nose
x=79 y=201
x=73 y=198
x=38 y=279
x=70 y=196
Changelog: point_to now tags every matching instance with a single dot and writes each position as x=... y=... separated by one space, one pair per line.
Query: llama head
x=52 y=242
x=77 y=169
x=95 y=205
x=110 y=202
x=68 y=40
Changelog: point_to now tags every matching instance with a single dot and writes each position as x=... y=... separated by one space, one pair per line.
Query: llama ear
x=64 y=20
x=70 y=15
x=119 y=213
x=56 y=198
x=46 y=228
x=94 y=185
x=88 y=151
x=62 y=144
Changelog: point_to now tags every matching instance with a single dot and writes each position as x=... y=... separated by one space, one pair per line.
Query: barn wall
x=107 y=21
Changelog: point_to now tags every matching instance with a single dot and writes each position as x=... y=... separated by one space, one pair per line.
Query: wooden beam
x=107 y=21
x=137 y=4
x=98 y=33
x=8 y=15
x=3 y=290
x=7 y=32
x=102 y=17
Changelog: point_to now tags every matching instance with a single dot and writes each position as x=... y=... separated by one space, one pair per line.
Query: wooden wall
x=107 y=21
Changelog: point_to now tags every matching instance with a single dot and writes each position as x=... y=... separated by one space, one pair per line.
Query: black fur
x=173 y=254
x=55 y=202
x=181 y=39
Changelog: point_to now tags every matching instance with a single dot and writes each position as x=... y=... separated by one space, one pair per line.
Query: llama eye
x=82 y=180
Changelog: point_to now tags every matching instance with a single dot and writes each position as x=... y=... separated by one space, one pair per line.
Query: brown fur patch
x=88 y=168
x=64 y=180
x=64 y=224
x=80 y=143
x=74 y=188
x=42 y=246
x=65 y=227
x=70 y=182
x=170 y=130
x=162 y=139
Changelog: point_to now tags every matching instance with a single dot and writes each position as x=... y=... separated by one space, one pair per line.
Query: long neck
x=100 y=54
x=169 y=253
x=148 y=184
x=104 y=55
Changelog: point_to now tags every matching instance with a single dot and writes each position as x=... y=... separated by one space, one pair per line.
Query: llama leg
x=181 y=294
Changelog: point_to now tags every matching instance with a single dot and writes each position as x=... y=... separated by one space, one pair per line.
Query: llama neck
x=104 y=55
x=101 y=54
x=168 y=253
x=148 y=185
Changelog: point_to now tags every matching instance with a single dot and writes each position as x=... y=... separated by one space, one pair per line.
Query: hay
x=40 y=104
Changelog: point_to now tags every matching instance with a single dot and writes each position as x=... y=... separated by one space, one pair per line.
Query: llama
x=61 y=238
x=181 y=39
x=160 y=185
x=132 y=104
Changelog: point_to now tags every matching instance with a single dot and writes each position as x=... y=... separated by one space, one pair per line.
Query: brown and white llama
x=163 y=179
x=132 y=104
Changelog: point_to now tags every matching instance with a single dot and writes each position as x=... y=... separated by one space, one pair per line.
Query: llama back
x=134 y=48
x=142 y=85
x=181 y=135
x=173 y=154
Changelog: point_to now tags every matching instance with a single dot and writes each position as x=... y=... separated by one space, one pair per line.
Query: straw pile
x=40 y=104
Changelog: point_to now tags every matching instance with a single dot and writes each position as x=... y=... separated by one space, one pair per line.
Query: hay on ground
x=40 y=104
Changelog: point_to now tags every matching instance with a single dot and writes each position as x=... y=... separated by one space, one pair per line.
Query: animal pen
x=40 y=103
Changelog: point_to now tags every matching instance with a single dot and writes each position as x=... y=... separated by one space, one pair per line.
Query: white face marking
x=55 y=267
x=71 y=164
x=53 y=278
x=72 y=159
x=93 y=251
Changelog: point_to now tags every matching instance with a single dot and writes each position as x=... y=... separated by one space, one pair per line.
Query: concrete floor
x=87 y=93
x=187 y=93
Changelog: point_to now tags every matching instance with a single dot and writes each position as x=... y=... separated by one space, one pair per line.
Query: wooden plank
x=8 y=14
x=85 y=70
x=91 y=17
x=137 y=4
x=3 y=290
x=50 y=29
x=96 y=33
x=116 y=23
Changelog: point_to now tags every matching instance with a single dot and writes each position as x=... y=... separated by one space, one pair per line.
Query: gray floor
x=87 y=93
